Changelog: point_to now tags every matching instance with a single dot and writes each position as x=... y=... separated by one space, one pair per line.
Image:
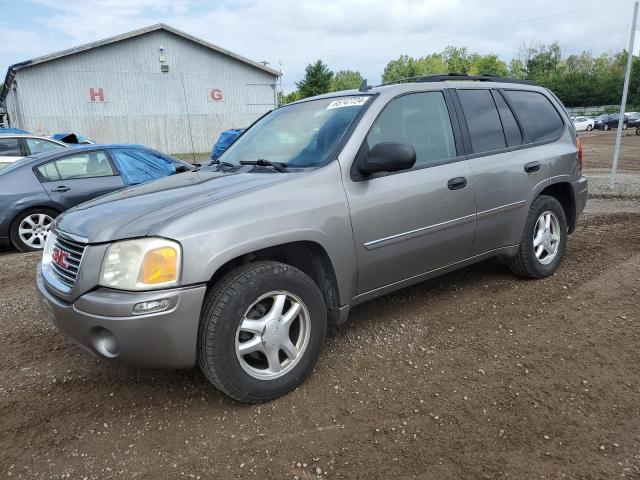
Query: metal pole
x=625 y=89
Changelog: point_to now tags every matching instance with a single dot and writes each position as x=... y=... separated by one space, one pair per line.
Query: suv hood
x=133 y=212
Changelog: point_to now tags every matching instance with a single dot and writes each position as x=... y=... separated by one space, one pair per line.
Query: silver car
x=323 y=204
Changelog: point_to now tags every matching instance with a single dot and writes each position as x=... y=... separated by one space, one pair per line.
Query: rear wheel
x=261 y=331
x=589 y=128
x=543 y=241
x=30 y=229
x=606 y=127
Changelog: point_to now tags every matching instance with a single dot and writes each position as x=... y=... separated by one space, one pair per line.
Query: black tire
x=606 y=127
x=637 y=130
x=525 y=263
x=589 y=128
x=19 y=219
x=224 y=308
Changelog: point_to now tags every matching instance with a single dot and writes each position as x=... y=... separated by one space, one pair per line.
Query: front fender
x=309 y=208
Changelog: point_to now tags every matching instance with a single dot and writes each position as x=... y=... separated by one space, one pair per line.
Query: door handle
x=457 y=183
x=532 y=167
x=61 y=188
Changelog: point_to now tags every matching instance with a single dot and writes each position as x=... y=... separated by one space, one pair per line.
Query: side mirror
x=388 y=157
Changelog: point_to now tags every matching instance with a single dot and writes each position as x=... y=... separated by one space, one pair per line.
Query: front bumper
x=102 y=322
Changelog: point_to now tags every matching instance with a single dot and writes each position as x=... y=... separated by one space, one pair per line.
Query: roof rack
x=444 y=77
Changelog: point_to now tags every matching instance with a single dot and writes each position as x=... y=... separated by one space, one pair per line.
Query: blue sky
x=358 y=34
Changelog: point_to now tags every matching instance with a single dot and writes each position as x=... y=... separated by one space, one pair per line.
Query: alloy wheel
x=34 y=229
x=546 y=237
x=273 y=335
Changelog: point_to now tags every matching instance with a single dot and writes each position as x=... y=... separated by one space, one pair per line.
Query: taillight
x=580 y=160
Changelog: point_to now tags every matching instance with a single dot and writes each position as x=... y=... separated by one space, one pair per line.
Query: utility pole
x=625 y=90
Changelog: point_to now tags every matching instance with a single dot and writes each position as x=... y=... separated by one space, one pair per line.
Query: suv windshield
x=297 y=136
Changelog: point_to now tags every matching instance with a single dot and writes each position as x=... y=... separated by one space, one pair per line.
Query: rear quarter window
x=538 y=117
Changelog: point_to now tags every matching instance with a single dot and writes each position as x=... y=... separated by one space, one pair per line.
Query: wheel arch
x=563 y=192
x=306 y=255
x=32 y=207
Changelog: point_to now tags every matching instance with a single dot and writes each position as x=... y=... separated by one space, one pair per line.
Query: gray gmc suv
x=320 y=205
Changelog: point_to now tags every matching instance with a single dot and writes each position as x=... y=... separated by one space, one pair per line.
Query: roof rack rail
x=444 y=77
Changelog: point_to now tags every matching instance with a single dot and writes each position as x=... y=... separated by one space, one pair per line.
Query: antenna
x=364 y=87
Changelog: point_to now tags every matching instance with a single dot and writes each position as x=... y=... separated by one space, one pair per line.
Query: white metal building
x=156 y=86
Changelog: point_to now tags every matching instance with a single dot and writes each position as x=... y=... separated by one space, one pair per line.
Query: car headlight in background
x=141 y=264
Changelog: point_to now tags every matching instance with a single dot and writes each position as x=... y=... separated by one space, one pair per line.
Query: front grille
x=67 y=275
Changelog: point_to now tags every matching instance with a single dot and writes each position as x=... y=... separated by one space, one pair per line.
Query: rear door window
x=84 y=165
x=538 y=117
x=10 y=147
x=483 y=121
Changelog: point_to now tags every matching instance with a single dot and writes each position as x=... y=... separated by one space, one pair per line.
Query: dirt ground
x=473 y=375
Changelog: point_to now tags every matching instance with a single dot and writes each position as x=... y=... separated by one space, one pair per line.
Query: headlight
x=141 y=264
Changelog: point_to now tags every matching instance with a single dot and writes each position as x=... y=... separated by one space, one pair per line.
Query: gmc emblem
x=60 y=257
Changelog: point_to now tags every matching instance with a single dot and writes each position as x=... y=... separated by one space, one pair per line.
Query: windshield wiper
x=261 y=162
x=221 y=164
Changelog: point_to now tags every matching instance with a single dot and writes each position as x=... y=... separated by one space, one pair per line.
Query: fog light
x=151 y=306
x=104 y=342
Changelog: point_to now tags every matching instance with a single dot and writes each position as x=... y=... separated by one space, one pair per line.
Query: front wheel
x=30 y=229
x=606 y=127
x=261 y=331
x=543 y=241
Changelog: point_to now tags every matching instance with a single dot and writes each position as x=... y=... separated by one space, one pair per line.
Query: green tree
x=346 y=80
x=489 y=64
x=407 y=67
x=317 y=80
x=457 y=59
x=403 y=67
x=432 y=64
x=288 y=98
x=517 y=68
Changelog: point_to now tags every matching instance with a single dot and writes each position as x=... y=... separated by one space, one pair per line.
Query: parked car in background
x=225 y=139
x=583 y=124
x=319 y=206
x=14 y=146
x=633 y=120
x=35 y=189
x=607 y=121
x=72 y=138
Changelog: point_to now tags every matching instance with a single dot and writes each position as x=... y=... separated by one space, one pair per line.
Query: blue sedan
x=35 y=189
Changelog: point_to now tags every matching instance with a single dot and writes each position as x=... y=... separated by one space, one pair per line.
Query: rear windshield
x=301 y=135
